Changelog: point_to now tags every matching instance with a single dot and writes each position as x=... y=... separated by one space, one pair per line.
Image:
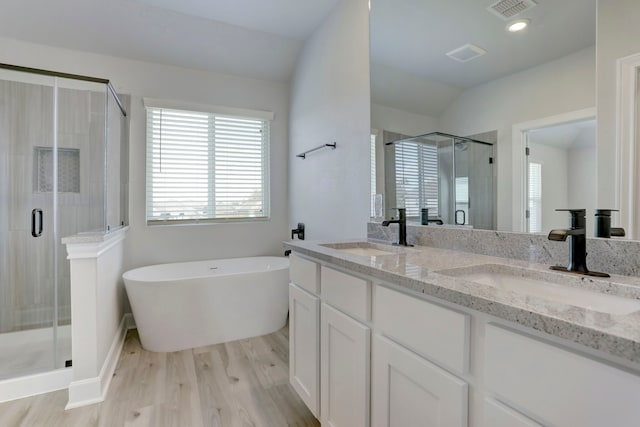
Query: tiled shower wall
x=27 y=263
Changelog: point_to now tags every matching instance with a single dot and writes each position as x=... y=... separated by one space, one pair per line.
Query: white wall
x=148 y=245
x=618 y=35
x=564 y=85
x=401 y=121
x=329 y=190
x=582 y=181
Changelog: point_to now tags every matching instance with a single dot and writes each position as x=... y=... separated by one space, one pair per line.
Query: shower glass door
x=474 y=184
x=27 y=224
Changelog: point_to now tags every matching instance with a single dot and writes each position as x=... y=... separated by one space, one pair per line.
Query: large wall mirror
x=454 y=67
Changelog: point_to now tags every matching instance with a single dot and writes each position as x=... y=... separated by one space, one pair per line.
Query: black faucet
x=603 y=226
x=577 y=243
x=402 y=226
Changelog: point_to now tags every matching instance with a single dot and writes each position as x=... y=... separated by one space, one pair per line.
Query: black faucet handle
x=605 y=212
x=577 y=217
x=402 y=212
x=573 y=212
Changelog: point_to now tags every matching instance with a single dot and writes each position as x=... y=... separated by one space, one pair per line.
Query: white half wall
x=329 y=190
x=564 y=85
x=99 y=323
x=159 y=244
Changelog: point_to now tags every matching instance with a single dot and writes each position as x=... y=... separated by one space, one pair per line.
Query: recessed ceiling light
x=518 y=25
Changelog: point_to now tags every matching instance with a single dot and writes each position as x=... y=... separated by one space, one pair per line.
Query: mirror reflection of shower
x=57 y=136
x=449 y=175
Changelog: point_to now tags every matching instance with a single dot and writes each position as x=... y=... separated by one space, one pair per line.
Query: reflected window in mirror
x=417 y=178
x=534 y=213
x=372 y=176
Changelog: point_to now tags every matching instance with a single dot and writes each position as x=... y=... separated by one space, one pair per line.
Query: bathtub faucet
x=299 y=231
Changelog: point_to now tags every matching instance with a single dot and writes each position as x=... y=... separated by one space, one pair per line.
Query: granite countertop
x=424 y=270
x=93 y=236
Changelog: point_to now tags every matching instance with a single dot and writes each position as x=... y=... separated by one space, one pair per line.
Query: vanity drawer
x=556 y=385
x=350 y=294
x=304 y=273
x=436 y=332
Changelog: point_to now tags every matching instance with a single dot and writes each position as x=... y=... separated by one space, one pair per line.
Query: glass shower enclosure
x=451 y=176
x=62 y=140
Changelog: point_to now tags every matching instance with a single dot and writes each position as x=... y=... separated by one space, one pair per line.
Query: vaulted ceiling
x=263 y=38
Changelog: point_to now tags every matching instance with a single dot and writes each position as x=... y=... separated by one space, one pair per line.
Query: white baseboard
x=130 y=321
x=93 y=390
x=31 y=385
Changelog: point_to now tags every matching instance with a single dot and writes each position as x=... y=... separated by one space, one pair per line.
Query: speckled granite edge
x=618 y=336
x=613 y=256
x=93 y=237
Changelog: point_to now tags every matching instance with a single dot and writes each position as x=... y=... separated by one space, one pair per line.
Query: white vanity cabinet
x=304 y=332
x=344 y=349
x=561 y=387
x=408 y=386
x=329 y=348
x=364 y=352
x=344 y=368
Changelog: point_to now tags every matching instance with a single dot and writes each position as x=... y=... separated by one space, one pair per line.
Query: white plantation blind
x=203 y=166
x=372 y=177
x=535 y=197
x=417 y=178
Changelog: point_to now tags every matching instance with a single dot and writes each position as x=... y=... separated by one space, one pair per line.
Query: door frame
x=519 y=159
x=627 y=188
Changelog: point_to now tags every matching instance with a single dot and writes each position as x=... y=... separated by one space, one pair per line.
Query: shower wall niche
x=62 y=142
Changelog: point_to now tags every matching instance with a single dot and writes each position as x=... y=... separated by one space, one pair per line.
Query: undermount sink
x=360 y=248
x=543 y=285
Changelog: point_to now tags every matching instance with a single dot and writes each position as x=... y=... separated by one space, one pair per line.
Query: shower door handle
x=33 y=222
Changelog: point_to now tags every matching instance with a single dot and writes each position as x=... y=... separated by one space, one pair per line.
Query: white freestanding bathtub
x=193 y=304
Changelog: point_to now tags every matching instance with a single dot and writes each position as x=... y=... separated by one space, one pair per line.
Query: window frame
x=212 y=111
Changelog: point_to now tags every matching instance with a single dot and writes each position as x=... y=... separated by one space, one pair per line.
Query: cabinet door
x=345 y=370
x=304 y=347
x=409 y=391
x=556 y=384
x=499 y=415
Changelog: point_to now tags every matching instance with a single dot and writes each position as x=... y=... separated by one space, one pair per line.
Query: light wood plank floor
x=241 y=383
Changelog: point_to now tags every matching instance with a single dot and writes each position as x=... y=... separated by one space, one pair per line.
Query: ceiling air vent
x=507 y=9
x=466 y=53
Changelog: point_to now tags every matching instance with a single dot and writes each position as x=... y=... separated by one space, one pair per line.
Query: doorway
x=559 y=171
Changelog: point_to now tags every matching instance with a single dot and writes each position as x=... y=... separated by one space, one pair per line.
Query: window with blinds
x=535 y=197
x=203 y=166
x=417 y=178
